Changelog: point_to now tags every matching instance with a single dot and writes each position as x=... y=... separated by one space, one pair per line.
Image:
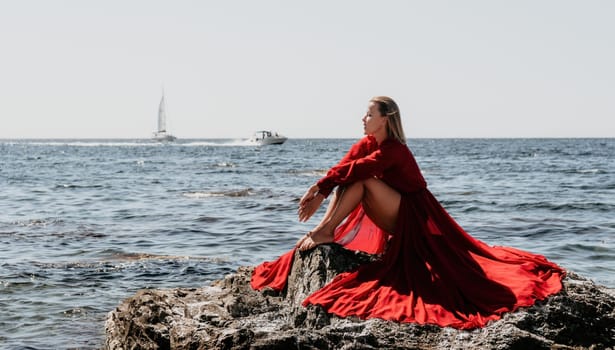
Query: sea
x=84 y=224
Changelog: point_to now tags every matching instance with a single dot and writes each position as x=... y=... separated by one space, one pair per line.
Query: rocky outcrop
x=230 y=315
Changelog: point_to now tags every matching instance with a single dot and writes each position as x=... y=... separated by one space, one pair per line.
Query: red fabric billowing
x=273 y=274
x=358 y=232
x=432 y=271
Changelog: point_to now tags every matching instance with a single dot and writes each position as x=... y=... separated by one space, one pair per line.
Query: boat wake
x=230 y=193
x=131 y=143
x=218 y=143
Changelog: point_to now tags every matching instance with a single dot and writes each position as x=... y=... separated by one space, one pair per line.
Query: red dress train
x=431 y=270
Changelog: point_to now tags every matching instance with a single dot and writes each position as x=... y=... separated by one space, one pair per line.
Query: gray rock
x=230 y=315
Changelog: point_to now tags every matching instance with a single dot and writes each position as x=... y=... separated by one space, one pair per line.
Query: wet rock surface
x=230 y=315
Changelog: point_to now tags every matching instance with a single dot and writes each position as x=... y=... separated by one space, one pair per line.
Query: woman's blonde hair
x=388 y=108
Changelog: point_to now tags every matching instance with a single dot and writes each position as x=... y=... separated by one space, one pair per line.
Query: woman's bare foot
x=314 y=238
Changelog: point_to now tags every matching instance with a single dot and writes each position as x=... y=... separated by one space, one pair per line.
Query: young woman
x=431 y=270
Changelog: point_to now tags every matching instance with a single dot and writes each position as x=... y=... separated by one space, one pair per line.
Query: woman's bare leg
x=346 y=200
x=380 y=202
x=332 y=204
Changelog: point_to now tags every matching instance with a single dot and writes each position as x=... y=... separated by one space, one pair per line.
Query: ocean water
x=84 y=224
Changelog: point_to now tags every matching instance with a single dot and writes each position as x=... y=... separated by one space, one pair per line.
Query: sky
x=307 y=69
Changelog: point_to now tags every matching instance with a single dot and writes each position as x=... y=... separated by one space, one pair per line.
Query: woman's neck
x=380 y=136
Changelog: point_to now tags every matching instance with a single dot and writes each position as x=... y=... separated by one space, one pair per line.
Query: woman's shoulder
x=393 y=144
x=396 y=149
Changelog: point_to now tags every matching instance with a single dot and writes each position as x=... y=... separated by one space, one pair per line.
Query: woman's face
x=373 y=121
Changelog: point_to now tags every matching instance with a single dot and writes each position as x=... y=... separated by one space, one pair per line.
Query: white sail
x=162 y=116
x=161 y=134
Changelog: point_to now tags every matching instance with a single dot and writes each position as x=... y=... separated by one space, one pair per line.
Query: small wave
x=579 y=171
x=230 y=193
x=279 y=207
x=464 y=193
x=470 y=209
x=121 y=256
x=226 y=165
x=84 y=233
x=593 y=248
x=317 y=172
x=114 y=258
x=63 y=186
x=595 y=206
x=78 y=311
x=220 y=143
x=38 y=222
x=591 y=171
x=39 y=229
x=208 y=219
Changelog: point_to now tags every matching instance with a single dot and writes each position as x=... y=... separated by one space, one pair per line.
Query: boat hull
x=270 y=141
x=261 y=138
x=160 y=137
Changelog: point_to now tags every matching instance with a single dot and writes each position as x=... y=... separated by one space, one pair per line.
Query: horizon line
x=308 y=138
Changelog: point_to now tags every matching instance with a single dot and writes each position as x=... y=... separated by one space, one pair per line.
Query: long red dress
x=432 y=271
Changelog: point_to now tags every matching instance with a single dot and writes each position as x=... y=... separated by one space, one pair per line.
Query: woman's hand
x=309 y=203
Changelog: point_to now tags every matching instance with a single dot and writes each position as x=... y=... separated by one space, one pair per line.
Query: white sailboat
x=162 y=134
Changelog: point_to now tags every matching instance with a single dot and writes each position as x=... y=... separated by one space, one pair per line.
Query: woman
x=431 y=270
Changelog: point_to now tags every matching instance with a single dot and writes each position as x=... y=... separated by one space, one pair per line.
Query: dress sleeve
x=358 y=168
x=358 y=150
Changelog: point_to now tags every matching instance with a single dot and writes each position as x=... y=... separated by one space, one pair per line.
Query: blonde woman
x=381 y=122
x=430 y=271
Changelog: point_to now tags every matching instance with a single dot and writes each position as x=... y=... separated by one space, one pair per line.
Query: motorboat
x=162 y=135
x=266 y=137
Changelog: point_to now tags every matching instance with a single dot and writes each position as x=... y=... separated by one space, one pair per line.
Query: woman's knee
x=372 y=181
x=381 y=195
x=379 y=187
